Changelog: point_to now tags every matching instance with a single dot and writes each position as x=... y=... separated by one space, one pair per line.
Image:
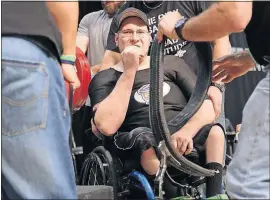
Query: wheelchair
x=185 y=178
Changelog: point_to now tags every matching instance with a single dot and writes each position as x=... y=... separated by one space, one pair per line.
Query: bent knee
x=216 y=133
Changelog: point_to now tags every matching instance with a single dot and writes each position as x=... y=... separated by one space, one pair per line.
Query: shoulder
x=94 y=15
x=105 y=77
x=174 y=64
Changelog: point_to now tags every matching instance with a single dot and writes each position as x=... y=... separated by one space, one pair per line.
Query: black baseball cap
x=131 y=12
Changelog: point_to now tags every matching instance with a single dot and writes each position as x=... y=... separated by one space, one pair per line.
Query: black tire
x=92 y=172
x=99 y=169
x=111 y=173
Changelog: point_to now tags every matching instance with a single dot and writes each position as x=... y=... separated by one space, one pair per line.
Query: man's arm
x=221 y=47
x=182 y=139
x=82 y=40
x=111 y=112
x=66 y=15
x=205 y=115
x=220 y=19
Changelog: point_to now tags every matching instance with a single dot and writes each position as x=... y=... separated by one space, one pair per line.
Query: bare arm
x=110 y=58
x=82 y=42
x=221 y=47
x=220 y=19
x=111 y=112
x=66 y=15
x=205 y=115
x=183 y=139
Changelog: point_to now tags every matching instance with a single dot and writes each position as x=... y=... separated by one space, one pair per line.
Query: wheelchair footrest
x=219 y=197
x=182 y=198
x=95 y=192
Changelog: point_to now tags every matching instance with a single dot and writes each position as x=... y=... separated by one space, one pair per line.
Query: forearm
x=205 y=115
x=66 y=15
x=112 y=111
x=221 y=47
x=82 y=42
x=220 y=19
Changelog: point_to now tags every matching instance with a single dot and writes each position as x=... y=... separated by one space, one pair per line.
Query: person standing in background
x=92 y=38
x=38 y=52
x=93 y=32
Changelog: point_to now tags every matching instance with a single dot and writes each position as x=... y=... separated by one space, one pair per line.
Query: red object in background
x=84 y=75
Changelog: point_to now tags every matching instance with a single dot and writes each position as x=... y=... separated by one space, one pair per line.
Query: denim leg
x=248 y=172
x=36 y=159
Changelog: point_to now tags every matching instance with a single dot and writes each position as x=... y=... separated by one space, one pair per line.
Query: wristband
x=71 y=58
x=67 y=62
x=221 y=87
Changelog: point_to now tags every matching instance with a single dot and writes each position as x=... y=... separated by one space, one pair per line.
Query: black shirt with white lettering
x=179 y=82
x=154 y=12
x=258 y=31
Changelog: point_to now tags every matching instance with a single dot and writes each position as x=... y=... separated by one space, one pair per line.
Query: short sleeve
x=83 y=26
x=203 y=5
x=179 y=72
x=101 y=86
x=111 y=45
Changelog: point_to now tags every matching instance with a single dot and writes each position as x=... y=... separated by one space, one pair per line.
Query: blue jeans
x=36 y=158
x=248 y=172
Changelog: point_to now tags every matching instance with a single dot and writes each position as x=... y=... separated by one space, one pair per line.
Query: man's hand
x=70 y=75
x=216 y=97
x=131 y=58
x=182 y=141
x=232 y=66
x=166 y=25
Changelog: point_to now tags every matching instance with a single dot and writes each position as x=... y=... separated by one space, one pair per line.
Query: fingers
x=189 y=148
x=183 y=147
x=223 y=60
x=227 y=79
x=70 y=75
x=174 y=142
x=220 y=75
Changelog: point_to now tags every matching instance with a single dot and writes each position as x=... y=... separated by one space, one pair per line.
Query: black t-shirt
x=258 y=31
x=32 y=21
x=179 y=82
x=178 y=48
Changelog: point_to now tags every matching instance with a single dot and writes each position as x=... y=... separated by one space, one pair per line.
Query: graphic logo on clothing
x=171 y=46
x=142 y=94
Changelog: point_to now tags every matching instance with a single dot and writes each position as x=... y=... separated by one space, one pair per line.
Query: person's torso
x=98 y=27
x=32 y=21
x=258 y=31
x=180 y=48
x=138 y=110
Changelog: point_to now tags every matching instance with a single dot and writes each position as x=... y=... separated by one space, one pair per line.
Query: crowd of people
x=38 y=54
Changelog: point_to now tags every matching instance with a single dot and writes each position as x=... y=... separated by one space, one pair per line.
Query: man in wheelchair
x=120 y=99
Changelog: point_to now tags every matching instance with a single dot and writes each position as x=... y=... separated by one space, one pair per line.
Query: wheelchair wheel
x=98 y=169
